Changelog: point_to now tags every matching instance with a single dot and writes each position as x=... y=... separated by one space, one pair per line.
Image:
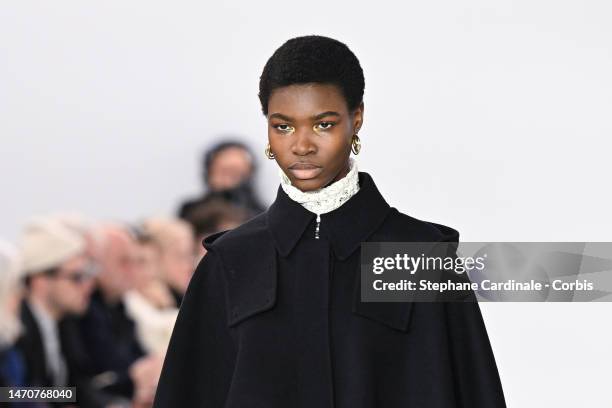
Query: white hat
x=47 y=243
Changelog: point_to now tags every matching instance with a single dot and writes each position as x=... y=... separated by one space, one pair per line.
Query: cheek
x=272 y=138
x=188 y=265
x=166 y=261
x=146 y=271
x=277 y=143
x=345 y=132
x=64 y=292
x=70 y=288
x=336 y=142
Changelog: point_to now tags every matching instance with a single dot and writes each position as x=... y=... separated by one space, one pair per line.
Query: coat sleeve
x=476 y=378
x=199 y=363
x=477 y=381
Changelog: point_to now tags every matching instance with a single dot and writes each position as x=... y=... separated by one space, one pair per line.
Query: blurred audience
x=107 y=333
x=93 y=305
x=174 y=239
x=228 y=171
x=58 y=283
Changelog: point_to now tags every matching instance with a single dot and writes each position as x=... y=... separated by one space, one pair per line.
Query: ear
x=358 y=118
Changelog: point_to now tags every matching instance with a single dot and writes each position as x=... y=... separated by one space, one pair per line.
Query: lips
x=303 y=166
x=305 y=171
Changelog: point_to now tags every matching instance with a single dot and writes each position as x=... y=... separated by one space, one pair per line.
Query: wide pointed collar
x=348 y=225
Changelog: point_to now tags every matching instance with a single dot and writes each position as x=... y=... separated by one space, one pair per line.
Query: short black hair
x=313 y=58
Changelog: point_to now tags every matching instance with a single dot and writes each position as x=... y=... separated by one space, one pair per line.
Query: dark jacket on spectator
x=79 y=364
x=32 y=348
x=108 y=337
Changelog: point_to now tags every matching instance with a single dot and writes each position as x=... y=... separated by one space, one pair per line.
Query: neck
x=341 y=174
x=109 y=295
x=327 y=198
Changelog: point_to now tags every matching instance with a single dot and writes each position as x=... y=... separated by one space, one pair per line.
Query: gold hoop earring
x=269 y=153
x=356 y=144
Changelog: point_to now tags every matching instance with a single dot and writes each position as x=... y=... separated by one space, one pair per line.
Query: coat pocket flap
x=242 y=309
x=251 y=286
x=393 y=314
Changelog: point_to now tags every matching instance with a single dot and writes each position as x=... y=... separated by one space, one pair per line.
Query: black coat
x=108 y=337
x=273 y=318
x=79 y=365
x=31 y=346
x=33 y=350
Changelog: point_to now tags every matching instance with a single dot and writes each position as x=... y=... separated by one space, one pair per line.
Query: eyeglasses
x=79 y=276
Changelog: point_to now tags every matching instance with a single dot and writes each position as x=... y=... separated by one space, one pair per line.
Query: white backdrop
x=491 y=117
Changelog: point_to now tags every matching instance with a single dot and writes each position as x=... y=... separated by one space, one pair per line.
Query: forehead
x=75 y=263
x=147 y=251
x=306 y=100
x=119 y=242
x=231 y=155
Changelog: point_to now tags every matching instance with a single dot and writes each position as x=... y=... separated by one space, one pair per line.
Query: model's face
x=310 y=130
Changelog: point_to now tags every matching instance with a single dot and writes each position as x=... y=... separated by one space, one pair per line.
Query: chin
x=308 y=185
x=80 y=309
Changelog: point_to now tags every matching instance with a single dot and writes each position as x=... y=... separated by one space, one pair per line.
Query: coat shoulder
x=403 y=227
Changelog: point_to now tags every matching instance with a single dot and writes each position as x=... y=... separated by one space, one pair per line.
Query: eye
x=325 y=125
x=283 y=127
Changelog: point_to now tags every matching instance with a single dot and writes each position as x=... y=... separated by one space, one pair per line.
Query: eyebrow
x=316 y=117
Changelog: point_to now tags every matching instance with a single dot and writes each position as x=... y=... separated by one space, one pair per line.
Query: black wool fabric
x=273 y=318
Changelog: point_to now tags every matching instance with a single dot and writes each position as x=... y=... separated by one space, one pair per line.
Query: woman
x=273 y=317
x=150 y=303
x=175 y=240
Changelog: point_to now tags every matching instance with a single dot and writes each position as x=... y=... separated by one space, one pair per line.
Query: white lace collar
x=325 y=199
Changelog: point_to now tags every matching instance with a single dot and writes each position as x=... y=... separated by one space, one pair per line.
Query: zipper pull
x=317 y=226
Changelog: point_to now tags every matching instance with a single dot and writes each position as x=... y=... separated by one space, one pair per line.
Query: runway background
x=106 y=106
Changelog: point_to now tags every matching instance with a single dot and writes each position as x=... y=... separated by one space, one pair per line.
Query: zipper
x=317 y=226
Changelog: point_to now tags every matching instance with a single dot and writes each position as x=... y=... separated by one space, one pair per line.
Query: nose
x=304 y=143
